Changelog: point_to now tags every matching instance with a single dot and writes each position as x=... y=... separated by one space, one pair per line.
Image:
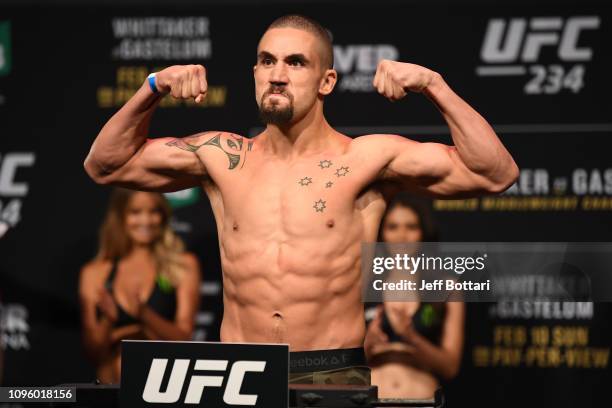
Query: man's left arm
x=477 y=163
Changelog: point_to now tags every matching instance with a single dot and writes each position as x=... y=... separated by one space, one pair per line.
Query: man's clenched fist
x=183 y=82
x=394 y=79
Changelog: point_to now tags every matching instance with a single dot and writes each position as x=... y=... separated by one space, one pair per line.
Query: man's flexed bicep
x=171 y=164
x=477 y=162
x=123 y=155
x=434 y=169
x=163 y=164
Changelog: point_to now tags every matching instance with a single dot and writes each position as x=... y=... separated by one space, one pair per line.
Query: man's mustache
x=278 y=90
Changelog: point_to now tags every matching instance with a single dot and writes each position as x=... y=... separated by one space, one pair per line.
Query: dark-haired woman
x=412 y=345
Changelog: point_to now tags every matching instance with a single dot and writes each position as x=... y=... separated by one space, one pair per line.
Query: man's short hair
x=307 y=24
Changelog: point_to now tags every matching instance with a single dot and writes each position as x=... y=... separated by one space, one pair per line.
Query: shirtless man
x=294 y=203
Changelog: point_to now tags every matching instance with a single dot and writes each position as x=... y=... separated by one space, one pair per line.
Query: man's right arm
x=122 y=155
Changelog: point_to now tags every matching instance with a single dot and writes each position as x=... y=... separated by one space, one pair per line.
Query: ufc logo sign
x=197 y=383
x=520 y=40
x=9 y=164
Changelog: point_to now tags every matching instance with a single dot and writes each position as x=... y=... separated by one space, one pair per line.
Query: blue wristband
x=151 y=79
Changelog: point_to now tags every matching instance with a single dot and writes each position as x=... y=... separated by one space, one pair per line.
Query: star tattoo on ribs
x=342 y=171
x=324 y=164
x=319 y=206
x=305 y=181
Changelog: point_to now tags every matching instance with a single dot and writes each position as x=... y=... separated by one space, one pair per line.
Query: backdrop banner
x=538 y=73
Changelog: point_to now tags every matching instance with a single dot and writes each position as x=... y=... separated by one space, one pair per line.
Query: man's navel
x=278 y=327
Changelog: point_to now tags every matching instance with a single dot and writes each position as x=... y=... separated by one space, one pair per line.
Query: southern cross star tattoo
x=305 y=181
x=329 y=184
x=319 y=206
x=342 y=171
x=324 y=164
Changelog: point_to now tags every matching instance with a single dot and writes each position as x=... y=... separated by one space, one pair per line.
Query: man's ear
x=328 y=82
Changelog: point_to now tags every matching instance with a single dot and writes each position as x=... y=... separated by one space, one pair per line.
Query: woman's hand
x=375 y=338
x=400 y=315
x=131 y=331
x=107 y=305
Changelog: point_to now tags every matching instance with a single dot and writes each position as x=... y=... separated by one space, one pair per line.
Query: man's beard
x=273 y=114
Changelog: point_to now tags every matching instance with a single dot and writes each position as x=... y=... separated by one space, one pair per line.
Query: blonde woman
x=141 y=285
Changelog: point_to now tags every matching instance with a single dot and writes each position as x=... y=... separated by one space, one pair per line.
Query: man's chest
x=309 y=194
